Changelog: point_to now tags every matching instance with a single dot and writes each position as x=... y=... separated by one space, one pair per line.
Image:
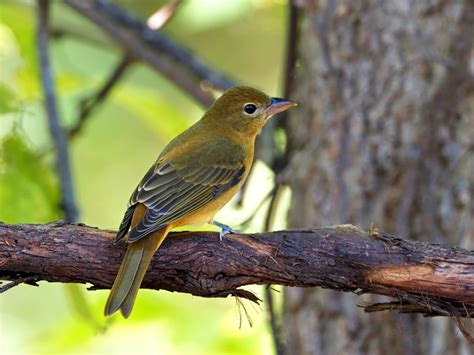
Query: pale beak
x=279 y=105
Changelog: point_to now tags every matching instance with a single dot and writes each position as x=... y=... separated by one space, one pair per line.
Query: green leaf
x=28 y=189
x=17 y=48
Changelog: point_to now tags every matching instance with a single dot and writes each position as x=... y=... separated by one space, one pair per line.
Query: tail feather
x=131 y=273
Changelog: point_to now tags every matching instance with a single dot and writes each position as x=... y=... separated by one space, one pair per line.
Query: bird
x=195 y=175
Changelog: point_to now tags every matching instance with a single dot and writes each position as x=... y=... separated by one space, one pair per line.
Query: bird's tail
x=132 y=270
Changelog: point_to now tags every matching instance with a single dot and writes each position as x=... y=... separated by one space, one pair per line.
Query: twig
x=462 y=328
x=275 y=326
x=89 y=104
x=274 y=323
x=292 y=42
x=247 y=221
x=28 y=279
x=173 y=61
x=272 y=209
x=280 y=162
x=57 y=134
x=402 y=307
x=158 y=20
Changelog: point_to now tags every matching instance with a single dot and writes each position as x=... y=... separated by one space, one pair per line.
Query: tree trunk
x=383 y=136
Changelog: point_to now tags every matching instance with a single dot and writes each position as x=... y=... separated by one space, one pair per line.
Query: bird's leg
x=225 y=229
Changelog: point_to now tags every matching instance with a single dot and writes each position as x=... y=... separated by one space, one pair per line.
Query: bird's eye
x=250 y=108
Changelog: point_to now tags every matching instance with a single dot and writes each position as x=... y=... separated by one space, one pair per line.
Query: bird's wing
x=170 y=192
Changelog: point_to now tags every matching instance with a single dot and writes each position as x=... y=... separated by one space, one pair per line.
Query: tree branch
x=176 y=63
x=431 y=279
x=30 y=280
x=160 y=18
x=279 y=162
x=57 y=133
x=89 y=104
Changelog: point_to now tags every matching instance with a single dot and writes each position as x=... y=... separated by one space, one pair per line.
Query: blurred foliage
x=22 y=174
x=244 y=39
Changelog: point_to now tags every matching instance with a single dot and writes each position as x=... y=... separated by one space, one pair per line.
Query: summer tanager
x=193 y=178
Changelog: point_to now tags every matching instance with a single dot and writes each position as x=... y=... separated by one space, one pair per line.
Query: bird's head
x=245 y=110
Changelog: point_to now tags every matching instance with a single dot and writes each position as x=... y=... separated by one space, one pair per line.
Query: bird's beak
x=279 y=105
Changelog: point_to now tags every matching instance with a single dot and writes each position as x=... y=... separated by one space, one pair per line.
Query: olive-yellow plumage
x=193 y=178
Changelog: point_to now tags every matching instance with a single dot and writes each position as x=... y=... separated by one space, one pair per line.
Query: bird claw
x=225 y=229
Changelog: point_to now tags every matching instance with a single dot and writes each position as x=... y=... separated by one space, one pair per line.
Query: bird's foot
x=225 y=229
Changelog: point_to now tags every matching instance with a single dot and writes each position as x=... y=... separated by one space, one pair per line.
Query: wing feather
x=170 y=192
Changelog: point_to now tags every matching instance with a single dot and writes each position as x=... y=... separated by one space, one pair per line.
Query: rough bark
x=383 y=136
x=424 y=278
